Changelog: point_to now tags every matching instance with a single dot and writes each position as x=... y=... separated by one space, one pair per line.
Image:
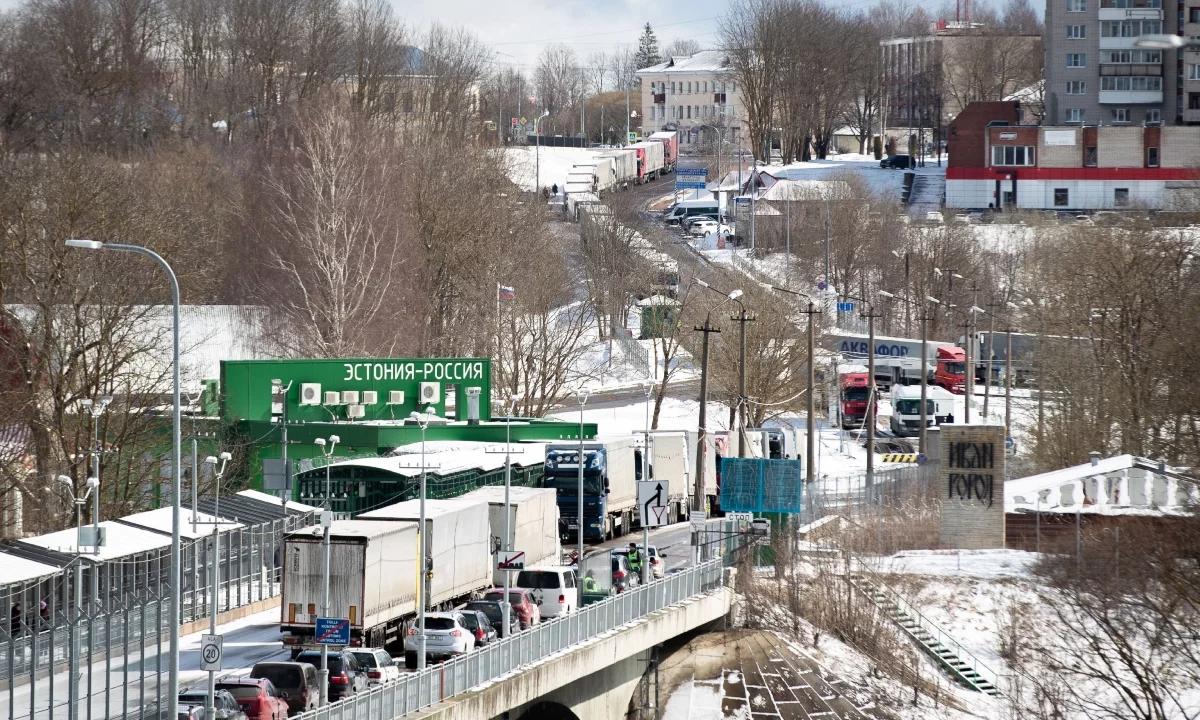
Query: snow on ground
x=695 y=700
x=883 y=182
x=989 y=564
x=547 y=165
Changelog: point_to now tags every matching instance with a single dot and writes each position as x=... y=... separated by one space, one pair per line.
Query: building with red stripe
x=997 y=163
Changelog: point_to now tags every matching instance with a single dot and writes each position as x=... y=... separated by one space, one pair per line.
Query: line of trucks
x=375 y=572
x=633 y=164
x=898 y=365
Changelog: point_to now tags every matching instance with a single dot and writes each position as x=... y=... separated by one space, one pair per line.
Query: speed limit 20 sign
x=211 y=652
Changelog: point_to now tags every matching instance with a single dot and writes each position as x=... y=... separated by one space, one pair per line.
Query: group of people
x=18 y=610
x=635 y=560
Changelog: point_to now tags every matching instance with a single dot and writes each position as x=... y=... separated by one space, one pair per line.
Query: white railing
x=420 y=690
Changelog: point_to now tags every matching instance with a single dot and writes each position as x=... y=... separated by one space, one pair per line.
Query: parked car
x=935 y=217
x=346 y=676
x=297 y=683
x=257 y=697
x=522 y=601
x=192 y=704
x=446 y=635
x=556 y=591
x=379 y=665
x=658 y=568
x=494 y=610
x=688 y=222
x=622 y=578
x=480 y=626
x=899 y=162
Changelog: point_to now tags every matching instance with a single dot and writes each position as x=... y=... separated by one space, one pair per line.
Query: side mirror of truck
x=606 y=488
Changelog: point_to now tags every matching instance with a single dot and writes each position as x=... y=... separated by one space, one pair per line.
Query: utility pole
x=991 y=355
x=811 y=422
x=872 y=399
x=969 y=371
x=1008 y=385
x=970 y=379
x=702 y=430
x=922 y=443
x=741 y=319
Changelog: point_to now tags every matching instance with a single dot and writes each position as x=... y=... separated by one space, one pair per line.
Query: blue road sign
x=333 y=631
x=692 y=172
x=741 y=201
x=690 y=185
x=845 y=307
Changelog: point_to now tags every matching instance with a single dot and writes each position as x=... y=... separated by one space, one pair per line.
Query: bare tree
x=682 y=47
x=756 y=42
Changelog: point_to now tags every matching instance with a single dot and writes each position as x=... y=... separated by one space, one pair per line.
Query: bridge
x=584 y=666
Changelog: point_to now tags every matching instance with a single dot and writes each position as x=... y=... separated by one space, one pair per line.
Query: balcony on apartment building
x=1131 y=10
x=659 y=98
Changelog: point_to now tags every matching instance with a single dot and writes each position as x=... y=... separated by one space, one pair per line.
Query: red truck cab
x=951 y=370
x=855 y=390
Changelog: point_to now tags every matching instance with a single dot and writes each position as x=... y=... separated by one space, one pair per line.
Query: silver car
x=446 y=635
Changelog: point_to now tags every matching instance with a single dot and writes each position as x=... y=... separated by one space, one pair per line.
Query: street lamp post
x=645 y=478
x=583 y=398
x=741 y=319
x=327 y=527
x=423 y=544
x=173 y=614
x=505 y=607
x=923 y=438
x=537 y=152
x=210 y=708
x=811 y=422
x=93 y=485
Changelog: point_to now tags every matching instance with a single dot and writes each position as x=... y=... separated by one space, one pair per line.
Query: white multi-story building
x=695 y=95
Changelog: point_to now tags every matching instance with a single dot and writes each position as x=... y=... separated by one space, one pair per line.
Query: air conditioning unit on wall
x=355 y=412
x=349 y=397
x=370 y=397
x=333 y=397
x=431 y=392
x=310 y=393
x=395 y=397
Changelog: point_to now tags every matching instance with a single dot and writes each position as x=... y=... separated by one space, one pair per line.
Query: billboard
x=761 y=485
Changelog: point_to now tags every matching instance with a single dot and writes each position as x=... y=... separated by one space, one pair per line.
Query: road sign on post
x=510 y=560
x=333 y=631
x=691 y=178
x=653 y=503
x=698 y=520
x=212 y=650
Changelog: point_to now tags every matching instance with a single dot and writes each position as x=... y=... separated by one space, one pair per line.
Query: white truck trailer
x=625 y=166
x=532 y=523
x=671 y=464
x=460 y=545
x=373 y=580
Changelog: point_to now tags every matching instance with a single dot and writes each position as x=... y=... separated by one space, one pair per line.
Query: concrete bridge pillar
x=602 y=695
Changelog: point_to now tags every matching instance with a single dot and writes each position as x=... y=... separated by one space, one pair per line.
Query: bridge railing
x=420 y=690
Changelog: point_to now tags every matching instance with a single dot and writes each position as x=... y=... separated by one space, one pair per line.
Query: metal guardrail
x=421 y=690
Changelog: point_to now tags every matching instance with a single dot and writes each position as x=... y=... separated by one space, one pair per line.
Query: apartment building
x=928 y=80
x=694 y=95
x=996 y=163
x=1097 y=75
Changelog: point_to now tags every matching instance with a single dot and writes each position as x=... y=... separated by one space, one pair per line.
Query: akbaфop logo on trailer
x=414 y=370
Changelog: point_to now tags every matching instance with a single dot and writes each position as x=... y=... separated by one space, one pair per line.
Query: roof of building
x=1023 y=493
x=120 y=541
x=15 y=569
x=160 y=521
x=446 y=457
x=703 y=61
x=434 y=508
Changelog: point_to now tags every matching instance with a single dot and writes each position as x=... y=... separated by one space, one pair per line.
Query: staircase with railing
x=962 y=665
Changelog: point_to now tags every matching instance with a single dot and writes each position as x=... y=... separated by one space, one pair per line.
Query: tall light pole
x=327 y=527
x=742 y=319
x=93 y=484
x=537 y=152
x=1008 y=375
x=422 y=420
x=645 y=478
x=583 y=398
x=811 y=421
x=505 y=607
x=923 y=438
x=210 y=708
x=173 y=614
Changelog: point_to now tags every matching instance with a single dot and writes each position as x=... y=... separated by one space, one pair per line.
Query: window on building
x=1121 y=197
x=1151 y=157
x=1076 y=5
x=1193 y=71
x=1194 y=15
x=1129 y=28
x=1062 y=197
x=1154 y=115
x=1120 y=115
x=1076 y=87
x=1012 y=155
x=1193 y=101
x=1122 y=4
x=1125 y=83
x=1124 y=57
x=1074 y=115
x=1089 y=156
x=1076 y=32
x=1076 y=60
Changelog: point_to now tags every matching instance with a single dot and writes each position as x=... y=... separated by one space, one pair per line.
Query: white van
x=554 y=587
x=688 y=208
x=906 y=408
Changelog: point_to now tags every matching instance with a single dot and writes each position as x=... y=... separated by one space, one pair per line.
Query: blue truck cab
x=609 y=490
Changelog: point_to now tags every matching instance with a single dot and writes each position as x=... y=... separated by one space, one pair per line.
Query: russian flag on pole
x=505 y=292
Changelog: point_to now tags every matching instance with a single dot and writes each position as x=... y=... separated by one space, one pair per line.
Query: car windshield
x=367 y=658
x=470 y=621
x=913 y=407
x=279 y=675
x=541 y=580
x=243 y=692
x=439 y=623
x=492 y=610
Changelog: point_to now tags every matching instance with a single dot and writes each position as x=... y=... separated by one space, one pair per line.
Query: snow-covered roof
x=703 y=61
x=274 y=500
x=1123 y=484
x=15 y=569
x=411 y=509
x=795 y=190
x=494 y=494
x=1029 y=93
x=160 y=521
x=655 y=300
x=352 y=529
x=445 y=457
x=120 y=540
